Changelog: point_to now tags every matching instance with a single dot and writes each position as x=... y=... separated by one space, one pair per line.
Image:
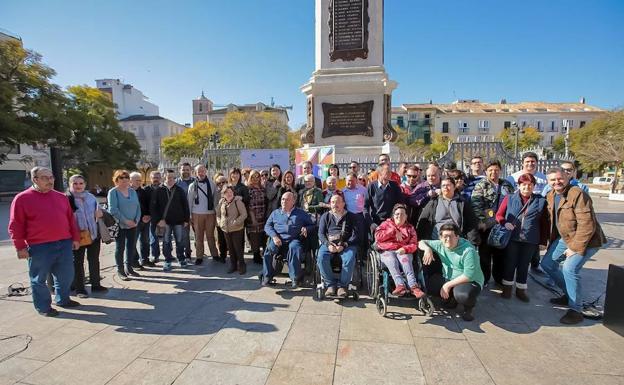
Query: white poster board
x=262 y=159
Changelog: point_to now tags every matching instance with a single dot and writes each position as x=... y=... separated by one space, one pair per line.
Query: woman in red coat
x=397 y=239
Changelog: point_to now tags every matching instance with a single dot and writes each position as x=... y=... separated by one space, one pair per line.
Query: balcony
x=420 y=122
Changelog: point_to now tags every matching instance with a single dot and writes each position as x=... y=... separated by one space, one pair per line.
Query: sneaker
x=400 y=290
x=199 y=261
x=267 y=281
x=417 y=291
x=122 y=276
x=342 y=293
x=330 y=292
x=467 y=315
x=99 y=288
x=183 y=263
x=167 y=266
x=50 y=313
x=140 y=268
x=561 y=301
x=71 y=303
x=571 y=317
x=82 y=294
x=293 y=285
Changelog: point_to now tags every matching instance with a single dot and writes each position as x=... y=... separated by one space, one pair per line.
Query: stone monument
x=349 y=93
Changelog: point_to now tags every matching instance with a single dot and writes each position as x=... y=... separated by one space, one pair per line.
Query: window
x=463 y=126
x=507 y=124
x=427 y=120
x=201 y=107
x=400 y=122
x=552 y=139
x=413 y=116
x=567 y=123
x=552 y=126
x=582 y=124
x=538 y=125
x=484 y=124
x=445 y=128
x=523 y=124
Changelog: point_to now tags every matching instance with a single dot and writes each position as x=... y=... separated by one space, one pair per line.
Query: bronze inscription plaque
x=347 y=119
x=348 y=29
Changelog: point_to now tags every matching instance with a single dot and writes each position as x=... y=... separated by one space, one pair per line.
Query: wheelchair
x=320 y=286
x=307 y=269
x=380 y=285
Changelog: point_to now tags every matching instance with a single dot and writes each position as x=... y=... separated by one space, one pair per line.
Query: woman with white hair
x=86 y=213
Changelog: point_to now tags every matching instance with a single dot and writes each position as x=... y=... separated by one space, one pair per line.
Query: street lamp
x=516 y=130
x=215 y=139
x=566 y=136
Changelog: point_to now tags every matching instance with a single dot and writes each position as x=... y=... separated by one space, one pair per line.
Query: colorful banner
x=321 y=158
x=262 y=159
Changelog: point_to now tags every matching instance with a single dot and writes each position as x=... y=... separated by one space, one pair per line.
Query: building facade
x=128 y=100
x=203 y=110
x=150 y=131
x=471 y=117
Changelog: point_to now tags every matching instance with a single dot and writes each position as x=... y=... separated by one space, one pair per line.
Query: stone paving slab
x=201 y=325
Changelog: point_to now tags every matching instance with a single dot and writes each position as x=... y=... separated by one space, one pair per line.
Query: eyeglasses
x=411 y=176
x=123 y=177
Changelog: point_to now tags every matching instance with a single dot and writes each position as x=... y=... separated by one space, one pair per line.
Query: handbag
x=85 y=238
x=500 y=235
x=160 y=230
x=104 y=231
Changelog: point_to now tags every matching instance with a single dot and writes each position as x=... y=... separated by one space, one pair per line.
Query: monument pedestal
x=349 y=94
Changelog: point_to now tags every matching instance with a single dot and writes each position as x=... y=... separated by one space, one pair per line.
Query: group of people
x=443 y=217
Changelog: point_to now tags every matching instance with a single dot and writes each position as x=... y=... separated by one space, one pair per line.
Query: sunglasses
x=411 y=176
x=124 y=177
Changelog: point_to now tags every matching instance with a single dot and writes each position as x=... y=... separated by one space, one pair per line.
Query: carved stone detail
x=345 y=42
x=389 y=133
x=307 y=136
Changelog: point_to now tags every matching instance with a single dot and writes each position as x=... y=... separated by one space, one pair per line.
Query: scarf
x=85 y=214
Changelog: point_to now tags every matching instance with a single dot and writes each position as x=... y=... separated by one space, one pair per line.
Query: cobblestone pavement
x=200 y=325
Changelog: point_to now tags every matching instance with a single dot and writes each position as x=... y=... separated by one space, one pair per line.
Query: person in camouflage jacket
x=486 y=197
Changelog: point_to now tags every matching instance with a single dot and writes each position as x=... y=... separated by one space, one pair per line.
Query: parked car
x=602 y=180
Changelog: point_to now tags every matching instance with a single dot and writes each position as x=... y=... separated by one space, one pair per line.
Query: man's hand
x=23 y=254
x=304 y=232
x=542 y=247
x=331 y=248
x=568 y=252
x=428 y=256
x=98 y=214
x=401 y=251
x=75 y=245
x=146 y=219
x=161 y=223
x=445 y=291
x=277 y=241
x=509 y=226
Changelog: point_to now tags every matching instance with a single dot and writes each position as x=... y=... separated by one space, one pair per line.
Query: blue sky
x=243 y=51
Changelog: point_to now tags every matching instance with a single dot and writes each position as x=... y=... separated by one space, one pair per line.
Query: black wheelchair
x=308 y=262
x=380 y=284
x=320 y=286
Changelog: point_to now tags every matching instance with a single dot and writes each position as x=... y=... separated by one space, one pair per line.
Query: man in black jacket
x=383 y=194
x=169 y=209
x=143 y=227
x=155 y=178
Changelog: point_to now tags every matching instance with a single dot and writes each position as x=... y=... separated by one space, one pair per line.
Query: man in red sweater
x=44 y=231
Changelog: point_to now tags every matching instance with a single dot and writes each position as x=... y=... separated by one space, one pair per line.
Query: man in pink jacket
x=44 y=231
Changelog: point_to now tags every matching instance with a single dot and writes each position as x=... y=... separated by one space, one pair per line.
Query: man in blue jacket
x=284 y=227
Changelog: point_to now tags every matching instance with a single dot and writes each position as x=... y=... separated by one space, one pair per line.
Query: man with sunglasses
x=408 y=187
x=570 y=169
x=44 y=231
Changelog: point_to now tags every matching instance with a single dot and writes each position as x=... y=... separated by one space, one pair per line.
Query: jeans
x=177 y=232
x=348 y=262
x=568 y=278
x=392 y=260
x=144 y=240
x=125 y=241
x=51 y=257
x=154 y=241
x=293 y=251
x=93 y=257
x=516 y=262
x=465 y=293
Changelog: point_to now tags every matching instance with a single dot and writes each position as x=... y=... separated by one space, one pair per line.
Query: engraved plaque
x=347 y=119
x=348 y=29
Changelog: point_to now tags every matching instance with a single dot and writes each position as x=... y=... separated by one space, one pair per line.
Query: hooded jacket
x=385 y=236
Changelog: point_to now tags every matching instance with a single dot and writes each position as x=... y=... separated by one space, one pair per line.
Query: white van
x=602 y=180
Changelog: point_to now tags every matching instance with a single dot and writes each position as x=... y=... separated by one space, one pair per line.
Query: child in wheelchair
x=396 y=241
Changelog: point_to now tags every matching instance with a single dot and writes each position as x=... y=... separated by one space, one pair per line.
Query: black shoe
x=133 y=273
x=467 y=315
x=148 y=263
x=82 y=294
x=561 y=301
x=199 y=261
x=99 y=289
x=571 y=317
x=450 y=303
x=50 y=313
x=257 y=258
x=122 y=276
x=266 y=281
x=242 y=268
x=71 y=303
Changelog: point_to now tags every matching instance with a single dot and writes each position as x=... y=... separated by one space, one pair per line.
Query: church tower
x=201 y=108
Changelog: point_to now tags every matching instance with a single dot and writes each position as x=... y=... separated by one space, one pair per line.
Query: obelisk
x=349 y=93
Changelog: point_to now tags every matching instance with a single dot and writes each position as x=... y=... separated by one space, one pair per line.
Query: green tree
x=439 y=145
x=32 y=109
x=600 y=144
x=254 y=130
x=190 y=142
x=559 y=144
x=529 y=137
x=96 y=136
x=410 y=150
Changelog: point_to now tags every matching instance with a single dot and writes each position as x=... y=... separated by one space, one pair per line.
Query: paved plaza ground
x=199 y=325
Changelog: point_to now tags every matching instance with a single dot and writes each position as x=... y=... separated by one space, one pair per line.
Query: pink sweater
x=39 y=218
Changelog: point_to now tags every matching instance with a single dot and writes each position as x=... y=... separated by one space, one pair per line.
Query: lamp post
x=566 y=136
x=516 y=130
x=215 y=139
